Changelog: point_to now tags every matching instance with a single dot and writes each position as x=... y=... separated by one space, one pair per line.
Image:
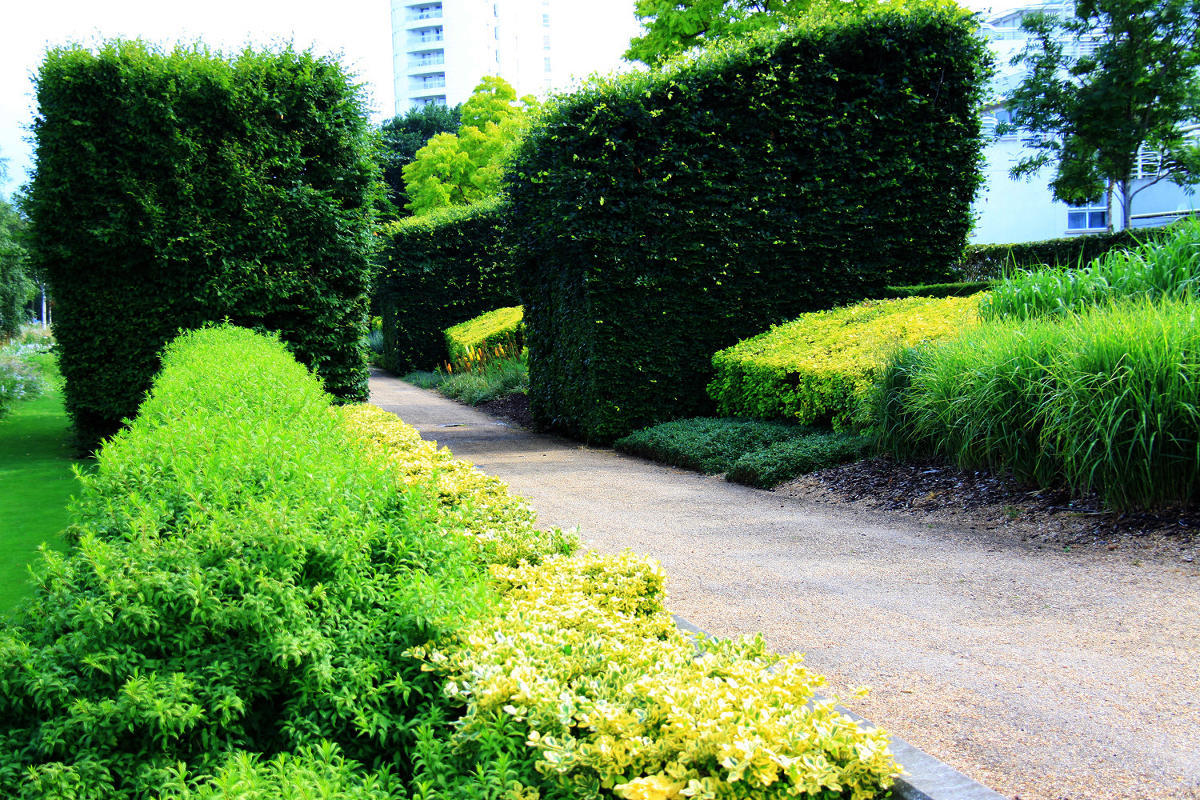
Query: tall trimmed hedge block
x=660 y=217
x=438 y=270
x=175 y=189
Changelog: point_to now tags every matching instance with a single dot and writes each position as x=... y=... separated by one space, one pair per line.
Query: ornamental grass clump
x=1107 y=400
x=245 y=579
x=821 y=368
x=1167 y=267
x=585 y=688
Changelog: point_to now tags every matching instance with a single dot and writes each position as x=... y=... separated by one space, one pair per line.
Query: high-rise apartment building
x=442 y=48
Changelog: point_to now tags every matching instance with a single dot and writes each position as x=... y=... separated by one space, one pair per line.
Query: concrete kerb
x=924 y=777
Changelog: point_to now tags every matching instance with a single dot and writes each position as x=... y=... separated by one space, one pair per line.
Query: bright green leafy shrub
x=660 y=217
x=245 y=579
x=1106 y=400
x=500 y=525
x=317 y=773
x=175 y=189
x=584 y=688
x=439 y=269
x=822 y=367
x=501 y=328
x=1166 y=267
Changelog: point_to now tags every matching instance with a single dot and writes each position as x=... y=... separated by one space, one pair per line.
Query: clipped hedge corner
x=660 y=217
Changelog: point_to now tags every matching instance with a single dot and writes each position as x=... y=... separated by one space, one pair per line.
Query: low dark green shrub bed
x=993 y=261
x=959 y=289
x=748 y=451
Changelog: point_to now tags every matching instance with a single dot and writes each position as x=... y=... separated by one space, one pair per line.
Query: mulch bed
x=933 y=491
x=513 y=408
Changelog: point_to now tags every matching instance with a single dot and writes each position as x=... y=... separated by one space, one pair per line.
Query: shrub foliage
x=992 y=261
x=1105 y=400
x=245 y=579
x=822 y=367
x=438 y=270
x=660 y=217
x=1166 y=267
x=584 y=688
x=174 y=189
x=502 y=328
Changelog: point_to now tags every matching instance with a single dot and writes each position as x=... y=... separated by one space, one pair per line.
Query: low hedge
x=484 y=335
x=994 y=261
x=956 y=289
x=748 y=451
x=584 y=687
x=437 y=270
x=246 y=578
x=821 y=368
x=1107 y=400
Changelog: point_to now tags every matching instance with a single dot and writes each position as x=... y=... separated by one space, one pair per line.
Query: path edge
x=924 y=777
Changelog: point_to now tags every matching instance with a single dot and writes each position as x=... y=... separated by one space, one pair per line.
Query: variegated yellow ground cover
x=822 y=367
x=612 y=699
x=470 y=502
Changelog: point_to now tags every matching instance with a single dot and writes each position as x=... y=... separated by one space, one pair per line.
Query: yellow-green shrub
x=598 y=693
x=822 y=367
x=502 y=328
x=469 y=501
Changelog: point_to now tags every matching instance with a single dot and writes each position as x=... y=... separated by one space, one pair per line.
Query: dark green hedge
x=178 y=188
x=991 y=261
x=439 y=270
x=660 y=217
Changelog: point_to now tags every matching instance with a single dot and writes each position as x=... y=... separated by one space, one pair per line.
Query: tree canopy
x=673 y=27
x=458 y=169
x=1116 y=77
x=403 y=136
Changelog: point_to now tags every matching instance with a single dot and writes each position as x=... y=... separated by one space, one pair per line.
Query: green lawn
x=36 y=481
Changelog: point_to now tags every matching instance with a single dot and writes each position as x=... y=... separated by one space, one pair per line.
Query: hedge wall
x=660 y=217
x=439 y=270
x=178 y=188
x=990 y=261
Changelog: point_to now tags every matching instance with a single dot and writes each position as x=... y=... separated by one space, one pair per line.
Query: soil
x=513 y=408
x=934 y=492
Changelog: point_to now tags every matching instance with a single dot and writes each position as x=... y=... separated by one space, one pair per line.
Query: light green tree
x=673 y=27
x=463 y=168
x=1130 y=80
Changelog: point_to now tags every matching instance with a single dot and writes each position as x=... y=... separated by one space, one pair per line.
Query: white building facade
x=442 y=48
x=1023 y=210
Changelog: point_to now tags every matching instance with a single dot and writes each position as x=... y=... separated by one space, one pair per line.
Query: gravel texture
x=1041 y=668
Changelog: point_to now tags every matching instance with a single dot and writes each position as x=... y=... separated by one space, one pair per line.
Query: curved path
x=1040 y=674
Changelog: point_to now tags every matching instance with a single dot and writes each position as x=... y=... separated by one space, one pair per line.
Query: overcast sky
x=358 y=30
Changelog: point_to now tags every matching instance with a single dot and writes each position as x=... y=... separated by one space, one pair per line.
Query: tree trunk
x=1126 y=203
x=1108 y=215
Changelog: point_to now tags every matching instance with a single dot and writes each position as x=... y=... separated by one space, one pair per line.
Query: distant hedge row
x=174 y=189
x=991 y=261
x=439 y=270
x=658 y=218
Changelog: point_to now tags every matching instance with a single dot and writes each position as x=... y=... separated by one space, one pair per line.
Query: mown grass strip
x=36 y=481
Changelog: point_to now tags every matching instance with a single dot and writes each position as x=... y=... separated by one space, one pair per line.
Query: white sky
x=357 y=30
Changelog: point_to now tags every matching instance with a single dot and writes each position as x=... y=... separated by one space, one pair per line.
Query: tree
x=1118 y=76
x=16 y=286
x=403 y=136
x=673 y=27
x=463 y=168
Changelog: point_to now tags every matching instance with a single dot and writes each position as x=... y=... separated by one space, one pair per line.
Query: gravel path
x=1040 y=674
